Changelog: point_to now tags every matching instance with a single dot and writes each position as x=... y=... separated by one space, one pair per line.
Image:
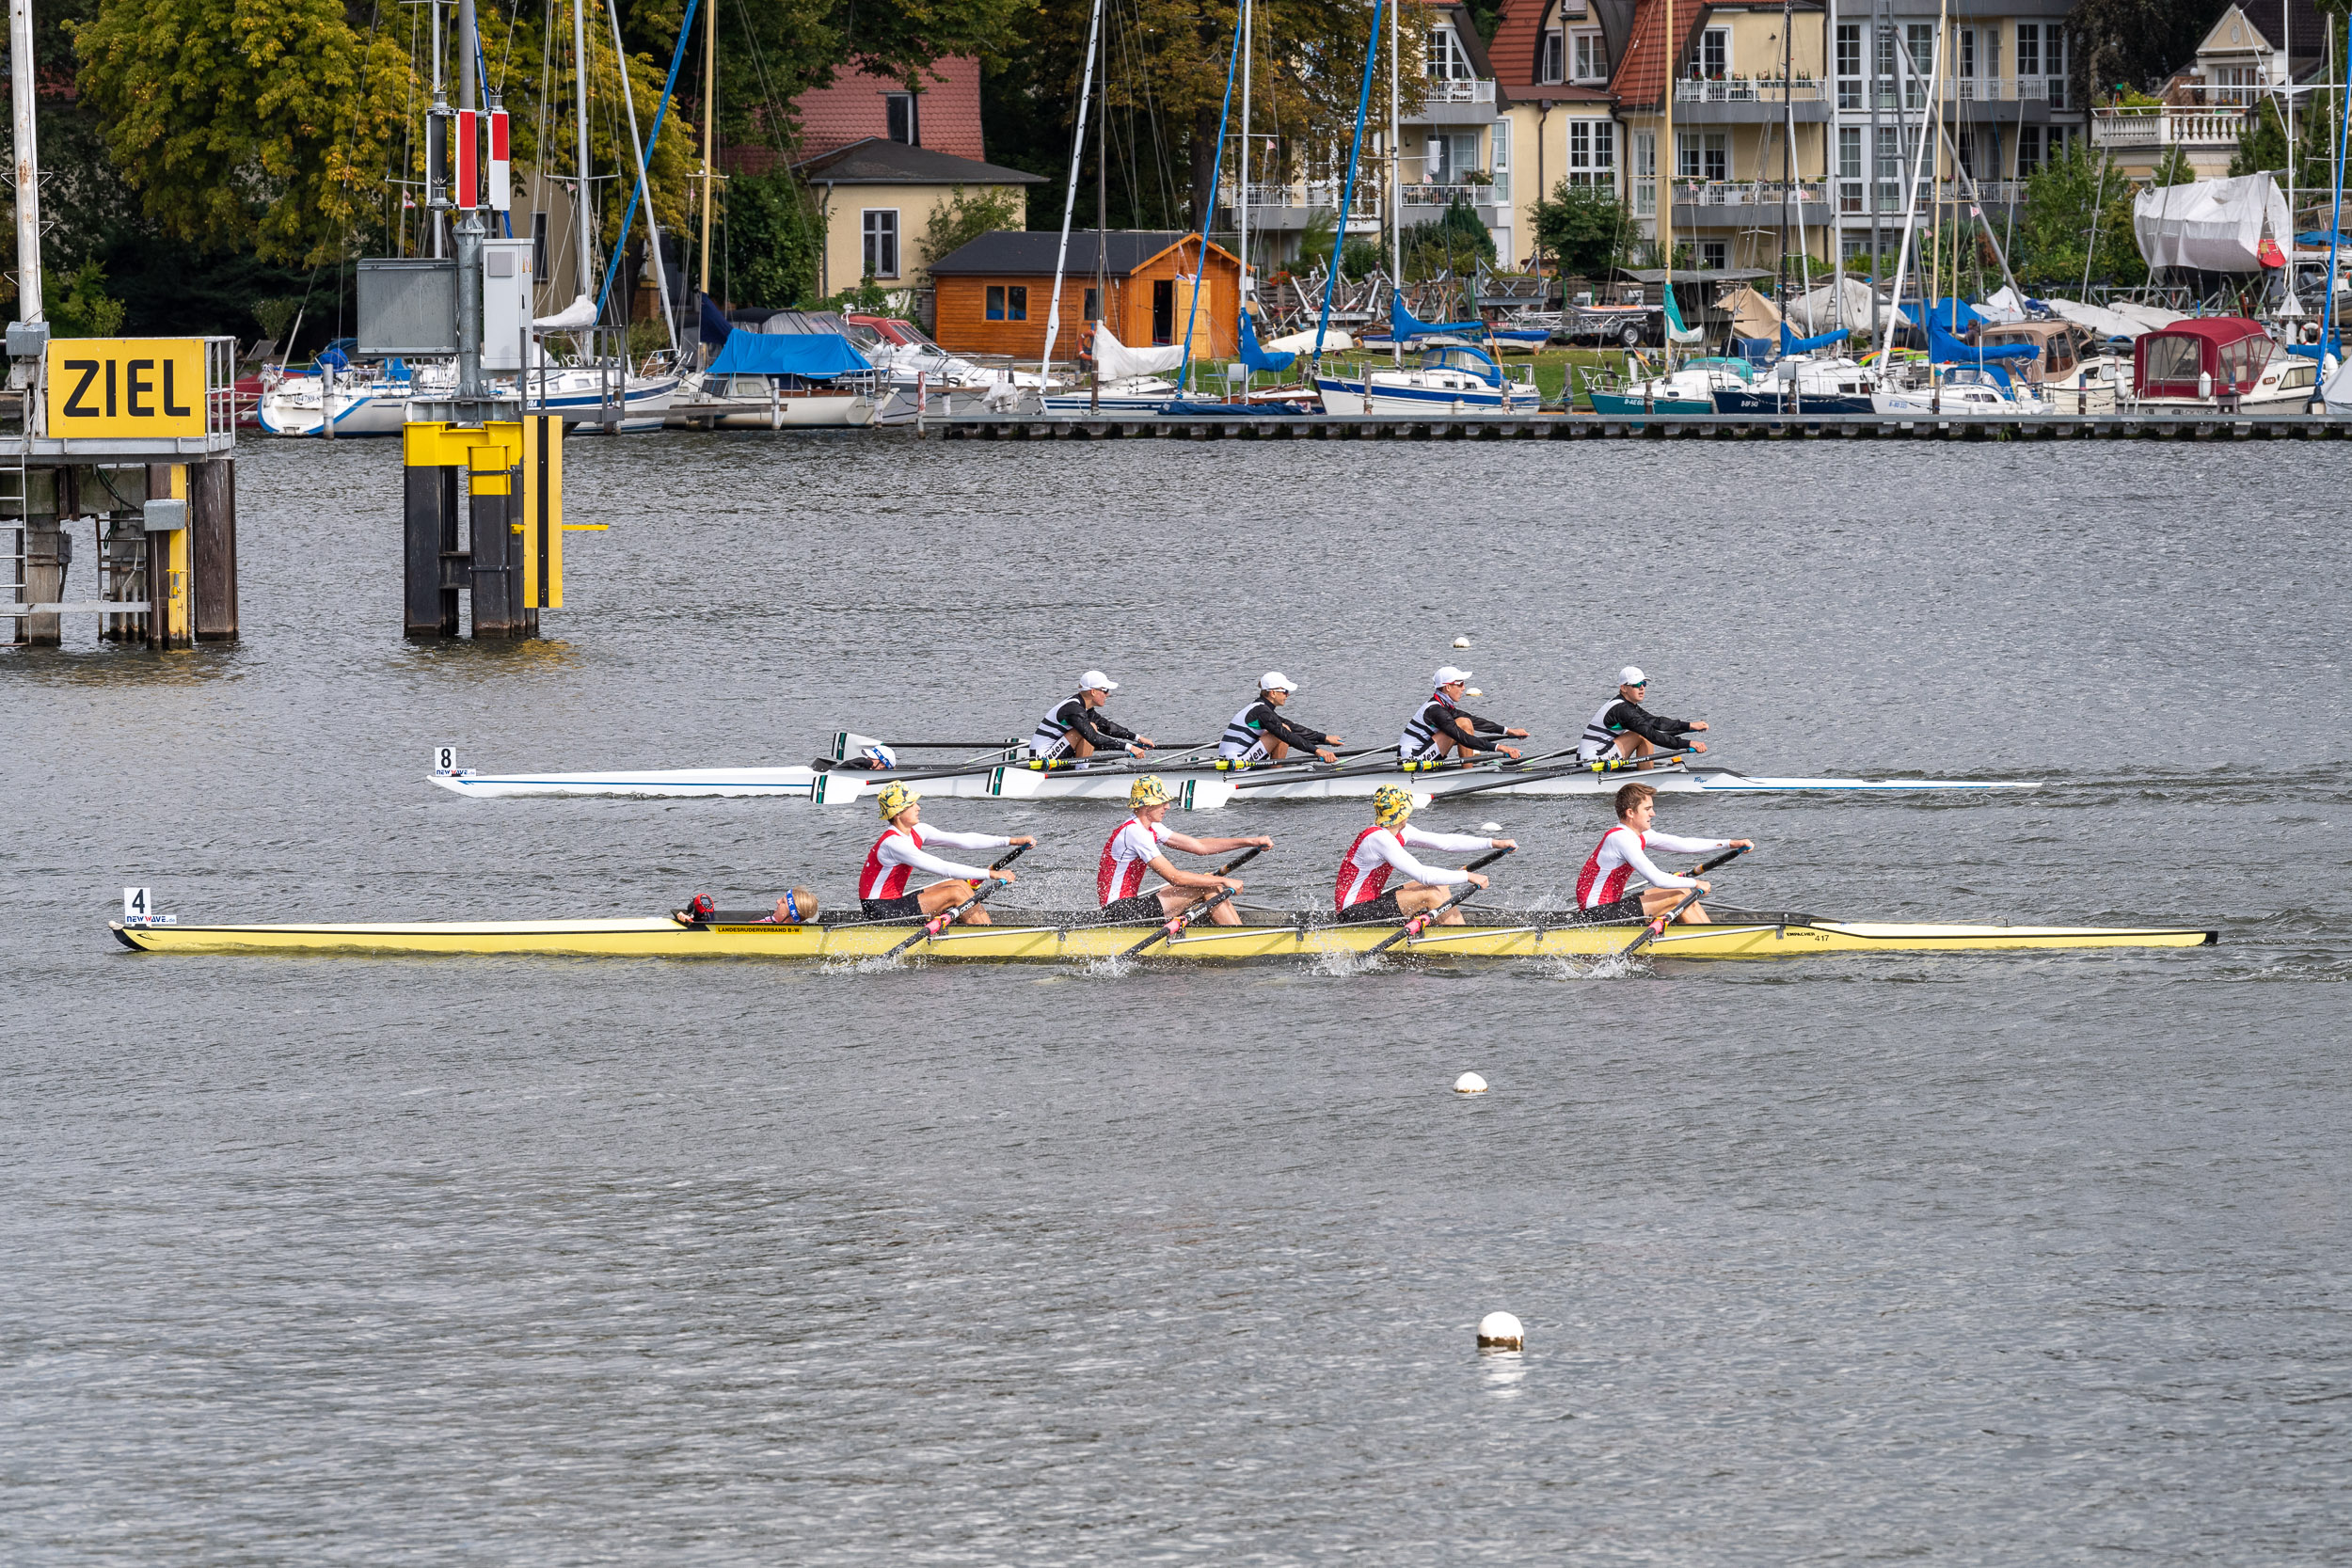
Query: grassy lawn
x=1551 y=368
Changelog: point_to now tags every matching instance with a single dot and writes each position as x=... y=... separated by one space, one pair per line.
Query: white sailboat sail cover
x=1817 y=311
x=2210 y=225
x=1115 y=361
x=579 y=314
x=2105 y=322
x=1334 y=341
x=2338 y=393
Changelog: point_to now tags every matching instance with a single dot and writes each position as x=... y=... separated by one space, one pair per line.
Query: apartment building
x=1552 y=62
x=2247 y=55
x=1457 y=146
x=2005 y=107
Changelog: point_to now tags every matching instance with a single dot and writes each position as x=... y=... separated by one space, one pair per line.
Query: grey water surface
x=1959 y=1259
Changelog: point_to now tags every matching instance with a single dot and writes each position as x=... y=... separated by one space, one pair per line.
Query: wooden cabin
x=993 y=295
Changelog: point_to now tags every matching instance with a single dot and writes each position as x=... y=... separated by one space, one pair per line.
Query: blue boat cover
x=1956 y=316
x=1404 y=323
x=1943 y=346
x=1792 y=343
x=2316 y=239
x=817 y=355
x=1754 y=351
x=1258 y=359
x=715 y=326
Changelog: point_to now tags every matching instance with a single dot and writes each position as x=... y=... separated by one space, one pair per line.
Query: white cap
x=1274 y=680
x=1631 y=676
x=1094 y=680
x=1449 y=674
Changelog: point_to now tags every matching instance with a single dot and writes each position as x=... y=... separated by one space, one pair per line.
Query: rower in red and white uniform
x=903 y=850
x=1139 y=845
x=1363 y=895
x=1624 y=853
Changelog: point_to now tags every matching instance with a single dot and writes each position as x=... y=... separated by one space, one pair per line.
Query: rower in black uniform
x=1625 y=728
x=1258 y=733
x=1439 y=725
x=1076 y=727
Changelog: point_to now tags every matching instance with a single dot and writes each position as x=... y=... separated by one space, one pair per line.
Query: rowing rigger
x=1052 y=939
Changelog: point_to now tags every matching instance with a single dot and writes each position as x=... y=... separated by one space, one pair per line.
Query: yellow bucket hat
x=894 y=799
x=1148 y=791
x=1391 y=805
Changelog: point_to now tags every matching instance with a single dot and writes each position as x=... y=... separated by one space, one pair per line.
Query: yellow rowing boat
x=722 y=937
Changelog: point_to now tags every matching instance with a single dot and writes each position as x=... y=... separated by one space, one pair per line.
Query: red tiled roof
x=1513 y=54
x=850 y=109
x=1641 y=79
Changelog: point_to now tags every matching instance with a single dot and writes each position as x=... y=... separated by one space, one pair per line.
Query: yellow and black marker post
x=512 y=560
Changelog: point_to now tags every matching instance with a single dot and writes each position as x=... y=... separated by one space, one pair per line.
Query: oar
x=940 y=922
x=1506 y=782
x=1413 y=927
x=1197 y=910
x=1657 y=927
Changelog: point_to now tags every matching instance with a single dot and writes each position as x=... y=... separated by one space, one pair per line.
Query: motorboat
x=1964 y=390
x=2219 y=364
x=780 y=381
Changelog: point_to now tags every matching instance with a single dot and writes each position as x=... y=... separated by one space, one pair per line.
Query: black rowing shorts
x=1143 y=906
x=905 y=907
x=1373 y=911
x=1626 y=908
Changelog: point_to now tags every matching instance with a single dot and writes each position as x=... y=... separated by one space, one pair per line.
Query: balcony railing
x=1449 y=89
x=1746 y=193
x=1309 y=195
x=2166 y=127
x=1446 y=196
x=1746 y=89
x=1853 y=94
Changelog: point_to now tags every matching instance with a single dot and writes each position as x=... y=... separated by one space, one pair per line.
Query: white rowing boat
x=1193 y=788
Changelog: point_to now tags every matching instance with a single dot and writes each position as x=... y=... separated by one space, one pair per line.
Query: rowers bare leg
x=1420 y=898
x=1658 y=900
x=1176 y=900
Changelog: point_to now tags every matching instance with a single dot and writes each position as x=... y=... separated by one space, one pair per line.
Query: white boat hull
x=368 y=410
x=1196 y=789
x=1349 y=399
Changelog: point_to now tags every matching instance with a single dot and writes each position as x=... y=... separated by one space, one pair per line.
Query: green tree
x=1453 y=242
x=1358 y=259
x=965 y=216
x=2068 y=201
x=1584 y=229
x=77 y=304
x=773 y=240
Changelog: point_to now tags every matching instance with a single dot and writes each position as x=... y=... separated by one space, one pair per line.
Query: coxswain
x=1441 y=726
x=1623 y=854
x=1075 y=728
x=903 y=850
x=1139 y=845
x=1625 y=728
x=1258 y=733
x=1363 y=895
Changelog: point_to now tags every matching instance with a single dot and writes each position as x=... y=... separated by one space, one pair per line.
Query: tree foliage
x=965 y=216
x=1583 y=228
x=773 y=242
x=2057 y=234
x=1452 y=243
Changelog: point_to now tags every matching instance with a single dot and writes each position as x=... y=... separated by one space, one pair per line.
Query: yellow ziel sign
x=103 y=387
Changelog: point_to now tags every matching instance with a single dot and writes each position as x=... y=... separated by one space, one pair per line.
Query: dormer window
x=1710 y=57
x=1590 y=56
x=903 y=119
x=1554 y=64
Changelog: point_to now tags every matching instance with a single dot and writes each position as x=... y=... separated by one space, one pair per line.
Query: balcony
x=1455 y=101
x=1445 y=196
x=1288 y=207
x=1856 y=95
x=1853 y=196
x=2158 y=130
x=1747 y=90
x=1715 y=203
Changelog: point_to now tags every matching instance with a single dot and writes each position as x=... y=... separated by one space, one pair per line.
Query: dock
x=1652 y=427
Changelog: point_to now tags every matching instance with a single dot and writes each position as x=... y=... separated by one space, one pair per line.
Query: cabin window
x=996 y=302
x=881 y=242
x=1555 y=57
x=904 y=121
x=1164 y=310
x=1094 y=305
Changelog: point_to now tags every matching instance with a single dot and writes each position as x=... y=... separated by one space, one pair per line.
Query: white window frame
x=1848 y=33
x=1499 y=163
x=1446 y=60
x=1551 y=66
x=1588 y=57
x=1645 y=173
x=1712 y=52
x=1592 y=151
x=874 y=236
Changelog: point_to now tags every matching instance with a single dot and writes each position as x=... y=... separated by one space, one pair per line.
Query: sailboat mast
x=587 y=260
x=1241 y=208
x=644 y=186
x=1663 y=157
x=20 y=80
x=1102 y=221
x=1070 y=200
x=1396 y=196
x=711 y=121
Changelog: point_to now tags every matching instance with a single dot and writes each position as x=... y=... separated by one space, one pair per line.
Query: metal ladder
x=13 y=561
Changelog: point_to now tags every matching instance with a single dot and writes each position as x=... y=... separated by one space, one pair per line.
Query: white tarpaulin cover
x=2338 y=393
x=1334 y=341
x=2210 y=225
x=579 y=314
x=2003 y=305
x=1115 y=361
x=1817 y=311
x=2106 y=322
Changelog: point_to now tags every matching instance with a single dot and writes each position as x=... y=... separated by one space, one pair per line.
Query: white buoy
x=1501 y=1331
x=1461 y=641
x=1490 y=827
x=1470 y=1082
x=1474 y=691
